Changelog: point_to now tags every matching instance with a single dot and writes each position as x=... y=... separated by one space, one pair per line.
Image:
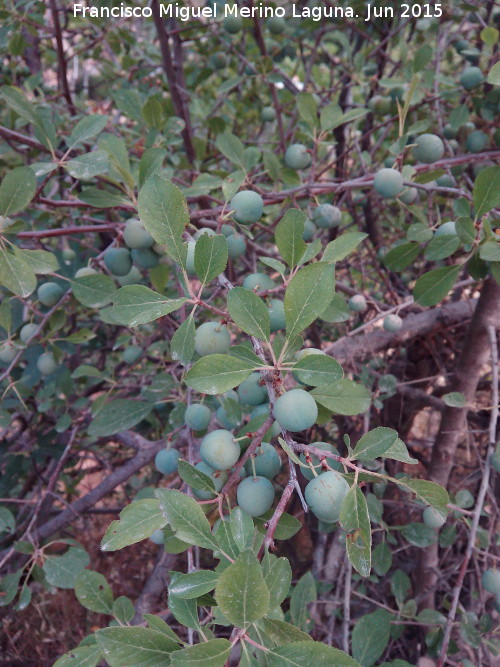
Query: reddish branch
x=63 y=73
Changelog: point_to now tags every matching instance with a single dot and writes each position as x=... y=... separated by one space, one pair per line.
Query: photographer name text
x=320 y=12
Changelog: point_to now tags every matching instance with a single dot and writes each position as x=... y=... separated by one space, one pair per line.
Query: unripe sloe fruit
x=7 y=352
x=259 y=282
x=251 y=391
x=446 y=181
x=491 y=581
x=297 y=157
x=68 y=254
x=392 y=323
x=336 y=465
x=46 y=363
x=136 y=235
x=268 y=114
x=408 y=196
x=380 y=105
x=49 y=293
x=232 y=24
x=144 y=258
x=476 y=141
x=325 y=494
x=464 y=499
x=326 y=216
x=265 y=409
x=309 y=230
x=449 y=131
x=118 y=261
x=471 y=77
x=357 y=303
x=388 y=183
x=429 y=148
x=247 y=206
x=432 y=518
x=277 y=315
x=267 y=461
x=447 y=229
x=255 y=495
x=197 y=416
x=219 y=478
x=212 y=338
x=219 y=450
x=85 y=271
x=296 y=410
x=236 y=246
x=132 y=278
x=158 y=537
x=276 y=25
x=166 y=461
x=131 y=354
x=227 y=230
x=27 y=331
x=226 y=420
x=218 y=60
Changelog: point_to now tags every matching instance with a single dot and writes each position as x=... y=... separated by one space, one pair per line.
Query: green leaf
x=318 y=369
x=287 y=526
x=88 y=165
x=298 y=654
x=434 y=285
x=123 y=609
x=83 y=656
x=156 y=623
x=490 y=251
x=103 y=198
x=418 y=534
x=194 y=584
x=93 y=291
x=245 y=354
x=185 y=611
x=123 y=647
x=336 y=311
x=370 y=637
x=182 y=343
x=217 y=373
x=62 y=571
x=186 y=518
x=137 y=521
x=16 y=274
x=242 y=528
x=194 y=477
x=7 y=521
x=342 y=246
x=402 y=256
x=93 y=592
x=423 y=56
x=163 y=210
x=137 y=304
x=455 y=399
x=281 y=632
x=442 y=247
x=249 y=312
x=382 y=559
x=307 y=296
x=41 y=261
x=399 y=452
x=212 y=653
x=210 y=257
x=241 y=592
x=400 y=586
x=118 y=415
x=9 y=585
x=303 y=594
x=486 y=191
x=494 y=75
x=307 y=108
x=355 y=521
x=86 y=129
x=17 y=189
x=465 y=229
x=17 y=101
x=343 y=398
x=428 y=492
x=278 y=577
x=288 y=236
x=332 y=116
x=231 y=147
x=374 y=443
x=150 y=164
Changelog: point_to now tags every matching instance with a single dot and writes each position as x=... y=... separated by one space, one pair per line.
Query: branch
x=63 y=74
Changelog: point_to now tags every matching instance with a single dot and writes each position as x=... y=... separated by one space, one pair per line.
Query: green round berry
x=212 y=338
x=380 y=105
x=277 y=315
x=276 y=25
x=85 y=271
x=449 y=131
x=268 y=114
x=464 y=499
x=476 y=141
x=247 y=205
x=49 y=293
x=158 y=537
x=219 y=450
x=429 y=148
x=447 y=229
x=255 y=495
x=325 y=494
x=132 y=278
x=131 y=354
x=46 y=363
x=144 y=258
x=167 y=460
x=295 y=410
x=258 y=282
x=7 y=352
x=267 y=461
x=226 y=419
x=218 y=60
x=392 y=323
x=432 y=518
x=310 y=230
x=197 y=416
x=118 y=261
x=408 y=196
x=471 y=77
x=491 y=581
x=228 y=230
x=326 y=216
x=232 y=24
x=388 y=183
x=316 y=463
x=218 y=477
x=446 y=181
x=265 y=409
x=297 y=157
x=236 y=246
x=68 y=254
x=27 y=331
x=136 y=235
x=357 y=303
x=253 y=391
